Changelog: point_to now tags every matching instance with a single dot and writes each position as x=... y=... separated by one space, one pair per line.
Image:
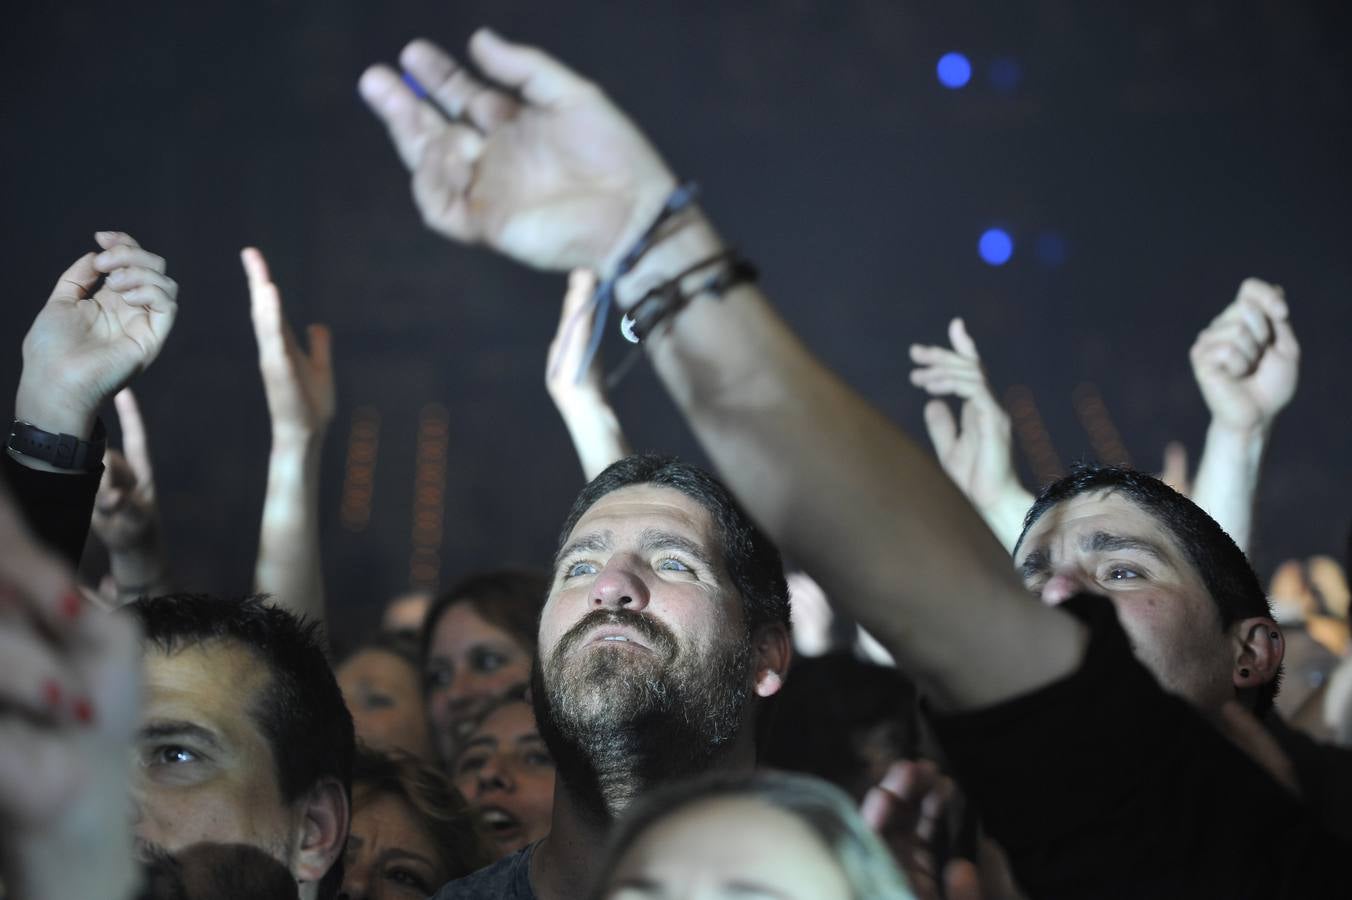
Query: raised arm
x=581 y=401
x=975 y=448
x=105 y=322
x=126 y=515
x=300 y=393
x=561 y=179
x=1246 y=363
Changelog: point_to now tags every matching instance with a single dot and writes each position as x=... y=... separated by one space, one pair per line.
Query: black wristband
x=65 y=451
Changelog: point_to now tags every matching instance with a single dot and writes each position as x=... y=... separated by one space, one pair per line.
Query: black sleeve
x=1104 y=785
x=56 y=506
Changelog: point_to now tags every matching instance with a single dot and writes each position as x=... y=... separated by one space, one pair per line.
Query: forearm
x=1005 y=515
x=1227 y=478
x=141 y=571
x=867 y=512
x=595 y=431
x=289 y=566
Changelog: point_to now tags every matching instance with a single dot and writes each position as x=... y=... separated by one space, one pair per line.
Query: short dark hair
x=510 y=599
x=300 y=711
x=752 y=560
x=1224 y=570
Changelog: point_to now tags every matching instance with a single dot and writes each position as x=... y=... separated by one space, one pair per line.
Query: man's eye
x=173 y=755
x=1121 y=573
x=582 y=568
x=673 y=565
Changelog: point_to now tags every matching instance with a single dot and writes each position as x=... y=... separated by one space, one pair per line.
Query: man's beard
x=617 y=720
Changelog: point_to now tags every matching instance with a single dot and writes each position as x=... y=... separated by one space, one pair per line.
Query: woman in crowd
x=507 y=774
x=478 y=645
x=380 y=683
x=411 y=830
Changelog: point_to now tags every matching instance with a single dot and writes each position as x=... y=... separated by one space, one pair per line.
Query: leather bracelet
x=64 y=451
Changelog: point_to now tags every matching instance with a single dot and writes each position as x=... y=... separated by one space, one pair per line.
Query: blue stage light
x=996 y=246
x=954 y=70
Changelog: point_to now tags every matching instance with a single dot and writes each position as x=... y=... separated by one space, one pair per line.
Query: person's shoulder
x=506 y=879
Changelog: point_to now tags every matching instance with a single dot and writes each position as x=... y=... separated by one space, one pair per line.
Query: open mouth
x=616 y=637
x=500 y=824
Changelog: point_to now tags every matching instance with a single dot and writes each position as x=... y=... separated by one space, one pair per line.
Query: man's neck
x=565 y=863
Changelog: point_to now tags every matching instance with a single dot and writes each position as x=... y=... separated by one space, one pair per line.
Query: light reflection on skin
x=728 y=847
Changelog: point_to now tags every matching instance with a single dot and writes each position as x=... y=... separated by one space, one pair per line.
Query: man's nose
x=1062 y=586
x=619 y=587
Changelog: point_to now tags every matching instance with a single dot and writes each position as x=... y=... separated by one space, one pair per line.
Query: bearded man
x=666 y=625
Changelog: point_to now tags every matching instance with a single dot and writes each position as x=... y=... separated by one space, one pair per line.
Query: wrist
x=297 y=440
x=1241 y=432
x=648 y=199
x=693 y=240
x=45 y=406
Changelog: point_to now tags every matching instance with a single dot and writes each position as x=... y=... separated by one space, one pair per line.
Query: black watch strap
x=65 y=451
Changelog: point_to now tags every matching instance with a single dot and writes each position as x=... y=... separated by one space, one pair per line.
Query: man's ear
x=325 y=819
x=1259 y=648
x=774 y=652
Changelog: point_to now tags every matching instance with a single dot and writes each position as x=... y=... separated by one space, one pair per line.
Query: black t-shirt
x=1104 y=785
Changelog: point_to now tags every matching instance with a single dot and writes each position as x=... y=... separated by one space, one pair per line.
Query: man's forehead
x=215 y=680
x=636 y=507
x=1084 y=519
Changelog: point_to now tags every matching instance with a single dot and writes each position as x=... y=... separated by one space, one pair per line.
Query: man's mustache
x=654 y=633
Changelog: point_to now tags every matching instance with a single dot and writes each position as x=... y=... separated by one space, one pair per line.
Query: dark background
x=1174 y=147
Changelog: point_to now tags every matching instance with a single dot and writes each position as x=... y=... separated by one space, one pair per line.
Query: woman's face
x=382 y=692
x=389 y=854
x=507 y=775
x=470 y=665
x=728 y=847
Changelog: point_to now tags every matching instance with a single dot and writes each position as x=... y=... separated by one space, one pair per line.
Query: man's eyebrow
x=1035 y=563
x=167 y=729
x=596 y=542
x=1105 y=542
x=651 y=539
x=395 y=853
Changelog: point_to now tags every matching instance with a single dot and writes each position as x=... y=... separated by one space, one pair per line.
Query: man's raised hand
x=536 y=163
x=975 y=448
x=1247 y=360
x=86 y=344
x=299 y=385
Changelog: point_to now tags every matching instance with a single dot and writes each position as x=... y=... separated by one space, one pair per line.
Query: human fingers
x=442 y=178
x=121 y=256
x=35 y=682
x=36 y=583
x=321 y=348
x=962 y=880
x=36 y=770
x=541 y=79
x=1248 y=310
x=116 y=483
x=1284 y=341
x=930 y=355
x=77 y=281
x=1269 y=298
x=265 y=304
x=574 y=328
x=962 y=342
x=943 y=383
x=109 y=239
x=454 y=88
x=942 y=427
x=1228 y=347
x=134 y=446
x=410 y=121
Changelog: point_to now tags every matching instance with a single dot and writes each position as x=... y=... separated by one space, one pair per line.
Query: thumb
x=76 y=282
x=962 y=881
x=943 y=430
x=541 y=79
